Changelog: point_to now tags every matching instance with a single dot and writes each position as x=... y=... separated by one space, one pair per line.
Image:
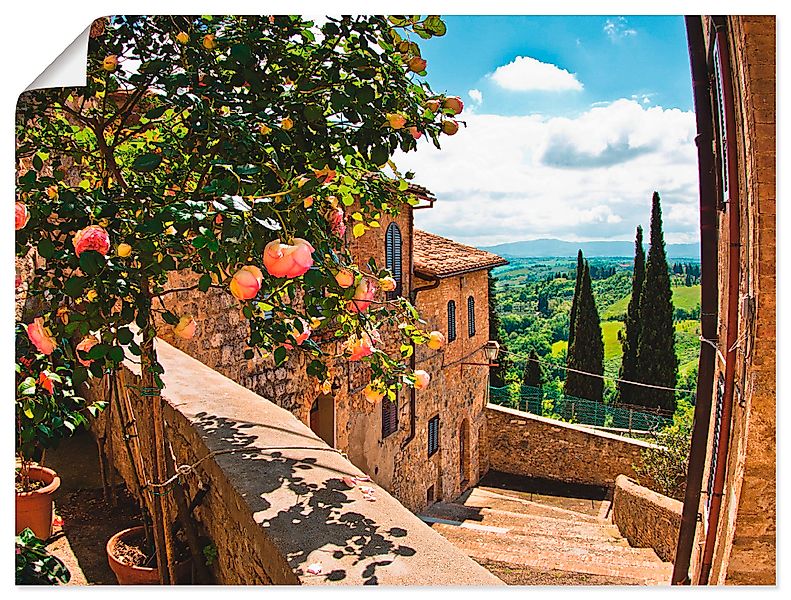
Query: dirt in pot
x=33 y=485
x=133 y=551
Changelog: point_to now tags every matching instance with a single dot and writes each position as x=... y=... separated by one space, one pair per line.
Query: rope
x=183 y=470
x=601 y=376
x=714 y=345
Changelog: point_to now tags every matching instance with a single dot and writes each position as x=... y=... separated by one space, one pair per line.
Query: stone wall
x=745 y=551
x=525 y=444
x=645 y=518
x=279 y=498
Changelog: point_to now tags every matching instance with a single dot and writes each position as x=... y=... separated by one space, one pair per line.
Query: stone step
x=539 y=553
x=539 y=523
x=487 y=499
x=553 y=541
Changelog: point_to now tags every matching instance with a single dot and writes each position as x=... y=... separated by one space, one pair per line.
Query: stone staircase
x=526 y=542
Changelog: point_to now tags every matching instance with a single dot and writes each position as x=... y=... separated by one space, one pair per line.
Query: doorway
x=322 y=418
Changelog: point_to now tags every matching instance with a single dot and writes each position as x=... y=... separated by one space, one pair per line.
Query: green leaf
x=98 y=351
x=280 y=355
x=91 y=262
x=170 y=318
x=147 y=162
x=155 y=113
x=204 y=282
x=125 y=335
x=116 y=354
x=242 y=53
x=379 y=155
x=74 y=286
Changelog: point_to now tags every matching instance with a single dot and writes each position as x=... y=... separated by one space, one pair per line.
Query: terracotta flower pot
x=34 y=508
x=131 y=575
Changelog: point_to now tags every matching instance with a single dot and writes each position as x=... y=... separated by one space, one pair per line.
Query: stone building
x=730 y=505
x=425 y=446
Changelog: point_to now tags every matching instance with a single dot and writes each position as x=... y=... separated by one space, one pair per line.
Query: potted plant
x=235 y=149
x=47 y=410
x=35 y=565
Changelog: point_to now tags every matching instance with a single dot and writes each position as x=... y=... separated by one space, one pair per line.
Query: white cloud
x=616 y=29
x=525 y=73
x=476 y=96
x=590 y=177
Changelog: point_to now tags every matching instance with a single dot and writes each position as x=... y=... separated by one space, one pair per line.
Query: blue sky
x=571 y=123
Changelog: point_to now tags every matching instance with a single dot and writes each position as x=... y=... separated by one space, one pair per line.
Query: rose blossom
x=246 y=282
x=92 y=237
x=388 y=284
x=362 y=346
x=421 y=379
x=335 y=218
x=185 y=328
x=284 y=260
x=374 y=391
x=41 y=336
x=435 y=340
x=84 y=346
x=363 y=295
x=21 y=215
x=345 y=278
x=454 y=103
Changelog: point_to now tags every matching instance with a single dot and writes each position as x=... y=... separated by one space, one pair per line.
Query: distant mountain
x=551 y=248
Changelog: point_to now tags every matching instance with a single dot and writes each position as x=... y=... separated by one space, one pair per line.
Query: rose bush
x=219 y=145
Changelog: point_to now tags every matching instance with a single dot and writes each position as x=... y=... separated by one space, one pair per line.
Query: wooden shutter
x=451 y=320
x=471 y=315
x=393 y=258
x=389 y=417
x=433 y=435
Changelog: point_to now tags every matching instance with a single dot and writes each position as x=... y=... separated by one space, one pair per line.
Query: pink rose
x=335 y=218
x=415 y=132
x=345 y=278
x=84 y=346
x=362 y=346
x=363 y=295
x=284 y=260
x=435 y=340
x=41 y=336
x=92 y=237
x=421 y=379
x=185 y=328
x=45 y=382
x=417 y=64
x=395 y=120
x=246 y=282
x=21 y=214
x=454 y=103
x=388 y=284
x=449 y=127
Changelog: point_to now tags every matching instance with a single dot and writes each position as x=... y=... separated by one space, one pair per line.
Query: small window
x=430 y=495
x=389 y=417
x=393 y=258
x=471 y=315
x=433 y=435
x=451 y=320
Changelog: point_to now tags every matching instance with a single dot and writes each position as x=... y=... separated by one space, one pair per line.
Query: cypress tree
x=497 y=374
x=657 y=363
x=586 y=353
x=532 y=375
x=574 y=300
x=626 y=392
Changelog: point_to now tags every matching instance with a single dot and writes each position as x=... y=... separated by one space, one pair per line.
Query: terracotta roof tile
x=437 y=256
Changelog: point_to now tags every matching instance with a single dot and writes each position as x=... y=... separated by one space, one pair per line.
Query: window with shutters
x=471 y=316
x=389 y=417
x=433 y=435
x=723 y=115
x=393 y=258
x=451 y=320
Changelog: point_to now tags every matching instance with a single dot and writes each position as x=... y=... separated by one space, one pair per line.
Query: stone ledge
x=646 y=518
x=278 y=502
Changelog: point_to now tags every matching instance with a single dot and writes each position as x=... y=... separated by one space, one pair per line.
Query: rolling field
x=683 y=297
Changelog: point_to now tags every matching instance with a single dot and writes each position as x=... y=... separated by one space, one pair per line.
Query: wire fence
x=552 y=403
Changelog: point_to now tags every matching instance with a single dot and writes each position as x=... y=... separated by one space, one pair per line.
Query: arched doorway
x=322 y=418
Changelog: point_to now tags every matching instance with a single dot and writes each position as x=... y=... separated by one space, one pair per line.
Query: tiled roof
x=437 y=256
